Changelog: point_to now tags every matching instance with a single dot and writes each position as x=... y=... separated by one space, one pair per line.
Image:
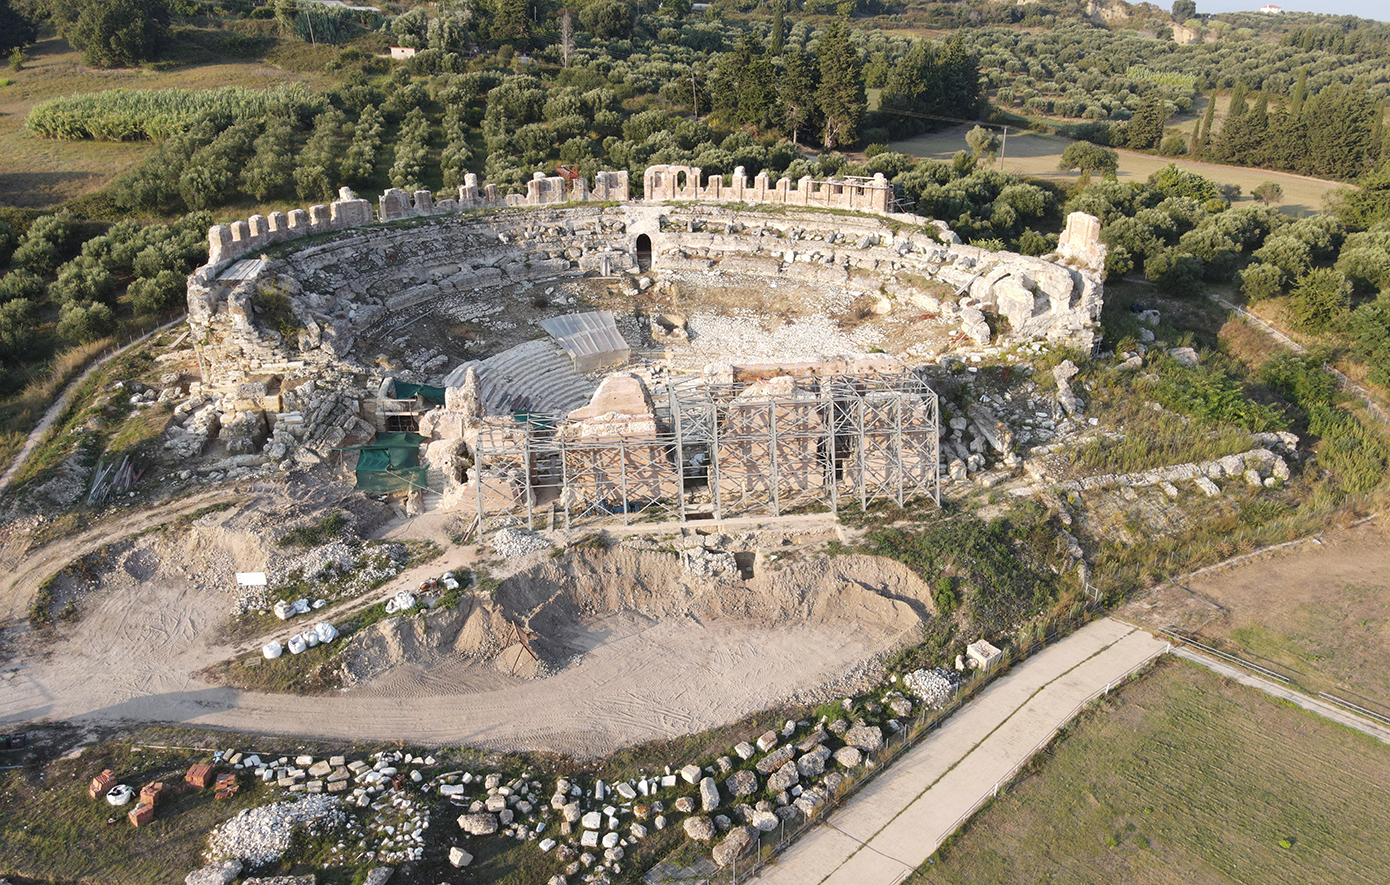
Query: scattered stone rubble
x=262 y=835
x=511 y=542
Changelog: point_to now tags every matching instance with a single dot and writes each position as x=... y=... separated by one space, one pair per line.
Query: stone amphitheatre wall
x=364 y=278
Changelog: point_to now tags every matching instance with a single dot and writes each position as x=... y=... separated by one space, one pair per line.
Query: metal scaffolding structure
x=711 y=451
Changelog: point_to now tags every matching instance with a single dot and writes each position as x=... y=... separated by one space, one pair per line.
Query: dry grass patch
x=1185 y=777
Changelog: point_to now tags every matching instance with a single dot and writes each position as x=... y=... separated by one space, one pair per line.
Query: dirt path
x=899 y=820
x=1036 y=155
x=41 y=429
x=136 y=653
x=659 y=681
x=26 y=569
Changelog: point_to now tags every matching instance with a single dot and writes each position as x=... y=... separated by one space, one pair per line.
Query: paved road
x=893 y=825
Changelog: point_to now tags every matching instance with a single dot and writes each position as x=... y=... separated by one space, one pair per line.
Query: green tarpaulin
x=429 y=394
x=391 y=482
x=389 y=464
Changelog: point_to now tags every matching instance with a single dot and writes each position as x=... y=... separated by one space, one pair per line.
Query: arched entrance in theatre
x=644 y=252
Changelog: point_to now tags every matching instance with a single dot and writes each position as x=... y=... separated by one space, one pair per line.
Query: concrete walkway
x=1274 y=689
x=899 y=820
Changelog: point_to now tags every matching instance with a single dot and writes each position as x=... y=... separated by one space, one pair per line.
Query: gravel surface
x=263 y=835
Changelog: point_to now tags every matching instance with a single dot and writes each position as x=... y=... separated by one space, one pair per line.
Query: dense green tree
x=209 y=177
x=412 y=151
x=779 y=28
x=1320 y=298
x=21 y=284
x=1368 y=203
x=164 y=291
x=1261 y=281
x=1300 y=93
x=47 y=242
x=1175 y=272
x=113 y=33
x=1268 y=192
x=1144 y=131
x=1288 y=253
x=841 y=91
x=1238 y=106
x=1184 y=10
x=17 y=317
x=16 y=30
x=508 y=22
x=1089 y=158
x=983 y=142
x=83 y=279
x=1201 y=133
x=316 y=175
x=744 y=87
x=607 y=19
x=360 y=160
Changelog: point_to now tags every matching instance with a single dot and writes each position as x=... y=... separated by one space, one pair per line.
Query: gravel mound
x=517 y=542
x=934 y=687
x=262 y=835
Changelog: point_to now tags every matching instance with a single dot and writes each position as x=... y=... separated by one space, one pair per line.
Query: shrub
x=1174 y=272
x=1320 y=298
x=1261 y=281
x=21 y=284
x=83 y=279
x=16 y=328
x=85 y=321
x=165 y=291
x=45 y=244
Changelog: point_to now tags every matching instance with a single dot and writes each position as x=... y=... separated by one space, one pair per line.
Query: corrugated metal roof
x=245 y=269
x=588 y=338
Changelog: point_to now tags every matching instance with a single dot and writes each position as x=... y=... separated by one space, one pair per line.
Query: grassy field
x=1184 y=777
x=1036 y=155
x=39 y=172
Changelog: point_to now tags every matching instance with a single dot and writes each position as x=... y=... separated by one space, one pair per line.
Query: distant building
x=1271 y=9
x=403 y=52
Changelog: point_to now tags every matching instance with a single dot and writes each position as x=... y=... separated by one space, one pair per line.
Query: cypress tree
x=1201 y=136
x=913 y=88
x=798 y=93
x=774 y=47
x=1300 y=93
x=841 y=92
x=1238 y=106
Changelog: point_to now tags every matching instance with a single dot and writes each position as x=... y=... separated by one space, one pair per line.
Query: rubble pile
x=934 y=687
x=263 y=835
x=512 y=542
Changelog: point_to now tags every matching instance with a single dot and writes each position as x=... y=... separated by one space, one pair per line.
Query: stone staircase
x=536 y=376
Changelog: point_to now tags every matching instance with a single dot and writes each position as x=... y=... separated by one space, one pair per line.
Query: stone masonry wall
x=227 y=242
x=667 y=183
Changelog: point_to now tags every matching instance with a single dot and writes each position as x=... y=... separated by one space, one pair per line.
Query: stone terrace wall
x=914 y=266
x=667 y=183
x=227 y=242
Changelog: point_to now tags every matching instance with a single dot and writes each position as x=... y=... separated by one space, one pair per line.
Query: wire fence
x=908 y=735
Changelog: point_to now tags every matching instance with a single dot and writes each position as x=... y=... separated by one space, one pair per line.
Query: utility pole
x=694 y=93
x=1004 y=145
